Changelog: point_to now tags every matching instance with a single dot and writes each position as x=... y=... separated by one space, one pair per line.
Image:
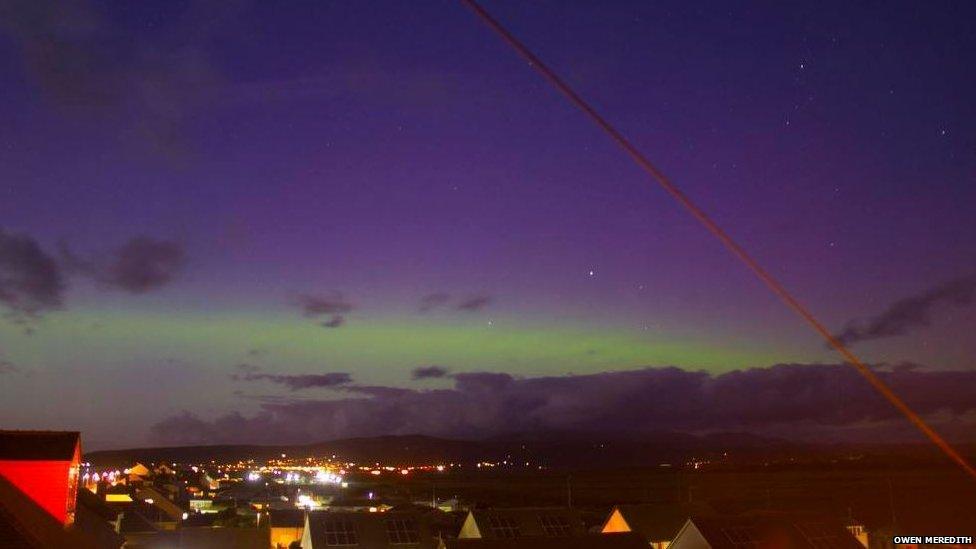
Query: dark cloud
x=245 y=369
x=433 y=301
x=910 y=313
x=139 y=266
x=334 y=322
x=429 y=372
x=475 y=303
x=477 y=382
x=377 y=391
x=796 y=398
x=295 y=382
x=320 y=305
x=148 y=83
x=144 y=264
x=186 y=428
x=31 y=282
x=7 y=367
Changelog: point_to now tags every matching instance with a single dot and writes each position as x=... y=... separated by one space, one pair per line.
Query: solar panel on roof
x=555 y=525
x=402 y=531
x=503 y=527
x=339 y=532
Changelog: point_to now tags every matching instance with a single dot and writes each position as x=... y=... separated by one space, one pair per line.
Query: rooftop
x=38 y=445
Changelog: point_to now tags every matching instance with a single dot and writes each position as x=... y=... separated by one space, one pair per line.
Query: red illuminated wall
x=51 y=484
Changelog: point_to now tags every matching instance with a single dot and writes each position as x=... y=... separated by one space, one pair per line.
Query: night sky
x=290 y=221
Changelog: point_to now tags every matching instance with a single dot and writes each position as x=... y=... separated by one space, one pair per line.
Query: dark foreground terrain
x=910 y=486
x=936 y=499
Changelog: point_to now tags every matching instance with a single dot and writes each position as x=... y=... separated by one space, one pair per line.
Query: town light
x=305 y=501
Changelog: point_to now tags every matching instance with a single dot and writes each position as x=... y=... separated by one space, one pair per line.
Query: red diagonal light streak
x=722 y=236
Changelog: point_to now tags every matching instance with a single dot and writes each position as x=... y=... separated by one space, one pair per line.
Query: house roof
x=202 y=538
x=773 y=529
x=12 y=535
x=623 y=540
x=23 y=523
x=392 y=529
x=159 y=501
x=654 y=522
x=528 y=521
x=132 y=522
x=97 y=527
x=96 y=505
x=200 y=519
x=38 y=445
x=286 y=518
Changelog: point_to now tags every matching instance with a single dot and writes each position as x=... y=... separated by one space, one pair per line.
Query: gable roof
x=622 y=540
x=38 y=445
x=772 y=529
x=528 y=521
x=159 y=501
x=654 y=522
x=138 y=469
x=371 y=530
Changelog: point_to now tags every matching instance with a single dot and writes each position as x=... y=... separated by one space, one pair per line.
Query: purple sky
x=201 y=202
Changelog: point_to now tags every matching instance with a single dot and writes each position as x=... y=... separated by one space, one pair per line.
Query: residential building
x=200 y=538
x=764 y=529
x=39 y=495
x=522 y=522
x=45 y=466
x=625 y=540
x=656 y=524
x=390 y=530
x=286 y=526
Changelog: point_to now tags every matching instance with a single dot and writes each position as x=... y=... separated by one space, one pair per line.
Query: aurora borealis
x=438 y=205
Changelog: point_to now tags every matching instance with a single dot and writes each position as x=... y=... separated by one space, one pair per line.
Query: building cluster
x=49 y=498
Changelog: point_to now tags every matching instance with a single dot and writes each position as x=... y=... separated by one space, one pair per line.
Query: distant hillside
x=550 y=449
x=367 y=449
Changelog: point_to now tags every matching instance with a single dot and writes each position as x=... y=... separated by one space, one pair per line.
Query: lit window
x=503 y=527
x=402 y=531
x=339 y=532
x=555 y=525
